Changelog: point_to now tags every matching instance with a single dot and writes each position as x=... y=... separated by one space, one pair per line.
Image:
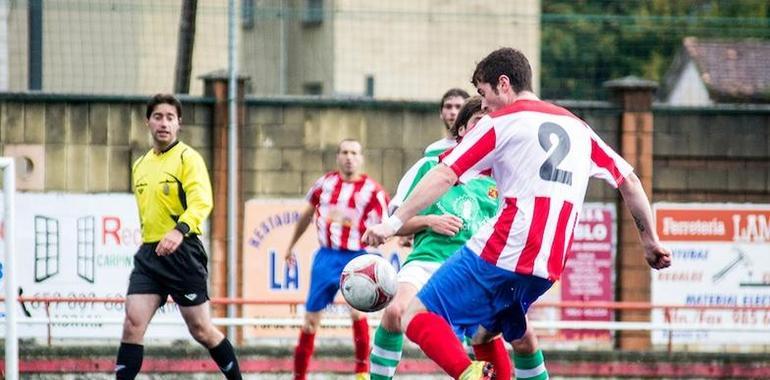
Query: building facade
x=396 y=49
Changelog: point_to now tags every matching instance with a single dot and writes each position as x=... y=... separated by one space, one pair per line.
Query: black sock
x=129 y=361
x=224 y=355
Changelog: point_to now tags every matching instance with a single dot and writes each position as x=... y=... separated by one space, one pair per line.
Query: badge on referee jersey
x=166 y=190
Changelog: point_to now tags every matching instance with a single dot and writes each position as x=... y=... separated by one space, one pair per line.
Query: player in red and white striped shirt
x=344 y=202
x=541 y=157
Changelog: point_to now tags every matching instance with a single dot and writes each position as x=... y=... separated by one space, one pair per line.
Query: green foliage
x=586 y=42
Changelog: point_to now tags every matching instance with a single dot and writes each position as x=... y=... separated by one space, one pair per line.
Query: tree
x=585 y=43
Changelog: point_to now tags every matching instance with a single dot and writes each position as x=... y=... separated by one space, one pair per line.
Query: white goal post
x=7 y=164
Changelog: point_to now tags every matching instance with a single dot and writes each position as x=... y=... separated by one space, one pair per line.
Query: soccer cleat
x=478 y=370
x=362 y=376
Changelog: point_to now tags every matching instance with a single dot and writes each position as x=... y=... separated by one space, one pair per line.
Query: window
x=46 y=247
x=312 y=88
x=247 y=14
x=86 y=248
x=369 y=86
x=313 y=13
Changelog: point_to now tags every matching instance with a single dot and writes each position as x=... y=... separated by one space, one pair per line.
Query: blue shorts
x=468 y=291
x=325 y=276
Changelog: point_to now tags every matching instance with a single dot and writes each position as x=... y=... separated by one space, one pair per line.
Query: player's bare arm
x=430 y=188
x=304 y=221
x=655 y=253
x=446 y=224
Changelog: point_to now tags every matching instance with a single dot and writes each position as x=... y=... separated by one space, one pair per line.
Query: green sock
x=386 y=354
x=530 y=367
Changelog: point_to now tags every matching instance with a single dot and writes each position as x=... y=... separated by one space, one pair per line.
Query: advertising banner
x=269 y=225
x=589 y=271
x=588 y=276
x=721 y=257
x=79 y=245
x=268 y=228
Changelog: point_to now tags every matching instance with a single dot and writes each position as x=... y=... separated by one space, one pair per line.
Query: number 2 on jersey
x=548 y=170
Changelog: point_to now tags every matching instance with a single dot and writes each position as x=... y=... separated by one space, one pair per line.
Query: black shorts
x=182 y=274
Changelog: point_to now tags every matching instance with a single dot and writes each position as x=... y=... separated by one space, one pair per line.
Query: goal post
x=7 y=164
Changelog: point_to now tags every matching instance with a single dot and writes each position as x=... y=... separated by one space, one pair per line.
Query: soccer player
x=173 y=194
x=541 y=157
x=439 y=230
x=451 y=102
x=344 y=202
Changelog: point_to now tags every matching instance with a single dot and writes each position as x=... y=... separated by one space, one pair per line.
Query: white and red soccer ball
x=368 y=283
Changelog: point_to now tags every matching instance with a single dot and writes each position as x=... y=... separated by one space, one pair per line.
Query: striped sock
x=530 y=367
x=386 y=353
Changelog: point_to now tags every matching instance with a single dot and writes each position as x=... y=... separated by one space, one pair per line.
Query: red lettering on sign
x=110 y=227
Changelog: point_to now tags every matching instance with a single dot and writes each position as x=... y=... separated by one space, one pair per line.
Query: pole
x=9 y=271
x=232 y=163
x=185 y=46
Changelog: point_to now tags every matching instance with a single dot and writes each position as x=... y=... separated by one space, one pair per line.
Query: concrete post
x=215 y=86
x=634 y=96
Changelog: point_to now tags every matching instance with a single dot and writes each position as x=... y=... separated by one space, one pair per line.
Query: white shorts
x=417 y=273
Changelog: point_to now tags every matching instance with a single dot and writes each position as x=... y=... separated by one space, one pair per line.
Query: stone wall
x=289 y=144
x=716 y=154
x=86 y=144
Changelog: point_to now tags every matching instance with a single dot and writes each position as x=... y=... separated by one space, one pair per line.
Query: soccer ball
x=368 y=283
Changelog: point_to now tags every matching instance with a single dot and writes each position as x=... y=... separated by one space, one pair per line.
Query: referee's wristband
x=183 y=228
x=394 y=222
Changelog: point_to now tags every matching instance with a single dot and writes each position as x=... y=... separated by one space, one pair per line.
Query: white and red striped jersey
x=541 y=156
x=343 y=210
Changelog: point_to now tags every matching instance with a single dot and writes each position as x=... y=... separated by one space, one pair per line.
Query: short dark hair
x=504 y=61
x=471 y=107
x=451 y=93
x=348 y=139
x=163 y=99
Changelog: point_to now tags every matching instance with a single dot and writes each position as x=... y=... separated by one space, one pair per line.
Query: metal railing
x=669 y=313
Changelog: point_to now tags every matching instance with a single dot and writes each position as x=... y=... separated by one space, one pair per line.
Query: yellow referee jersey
x=171 y=187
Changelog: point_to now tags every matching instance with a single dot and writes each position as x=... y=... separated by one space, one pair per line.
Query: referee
x=173 y=193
